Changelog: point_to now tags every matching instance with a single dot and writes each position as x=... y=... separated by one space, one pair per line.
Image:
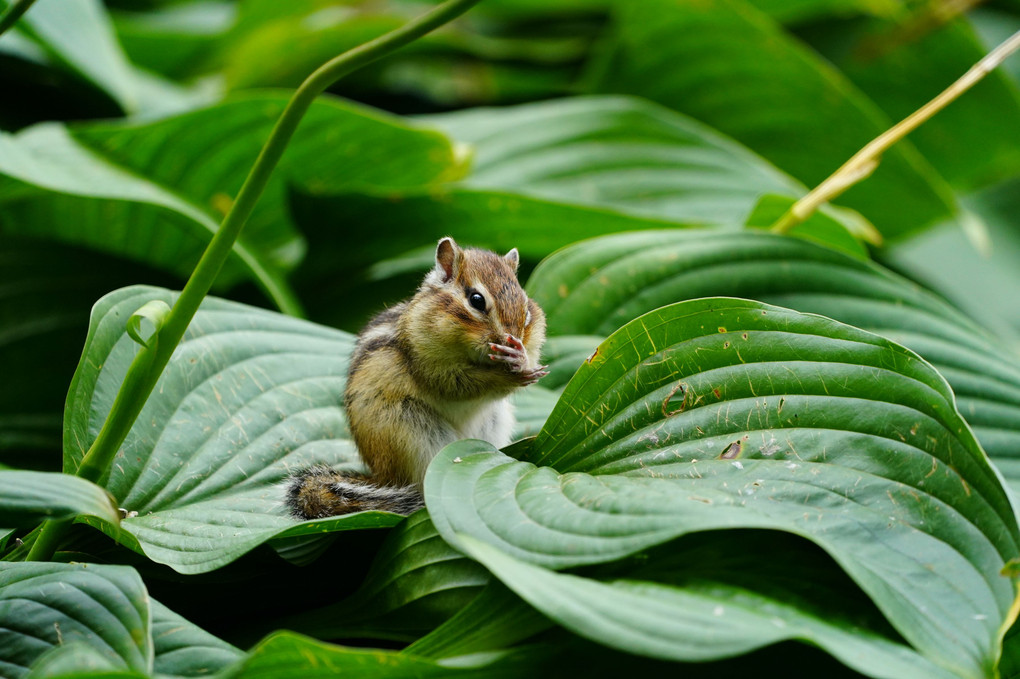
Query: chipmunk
x=429 y=371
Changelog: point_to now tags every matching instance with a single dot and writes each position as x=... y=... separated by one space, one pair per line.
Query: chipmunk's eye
x=477 y=300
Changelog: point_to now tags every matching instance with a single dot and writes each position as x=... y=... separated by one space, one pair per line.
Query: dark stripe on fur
x=319 y=492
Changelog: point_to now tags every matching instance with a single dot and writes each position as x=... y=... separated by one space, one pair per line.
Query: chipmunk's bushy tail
x=319 y=492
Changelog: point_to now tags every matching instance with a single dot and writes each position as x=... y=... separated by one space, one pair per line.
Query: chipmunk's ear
x=513 y=258
x=448 y=258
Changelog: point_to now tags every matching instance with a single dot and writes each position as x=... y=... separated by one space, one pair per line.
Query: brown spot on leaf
x=716 y=393
x=722 y=329
x=732 y=451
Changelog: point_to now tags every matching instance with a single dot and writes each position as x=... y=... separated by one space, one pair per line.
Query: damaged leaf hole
x=678 y=387
x=733 y=450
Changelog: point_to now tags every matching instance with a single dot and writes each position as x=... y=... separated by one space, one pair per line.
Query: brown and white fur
x=429 y=371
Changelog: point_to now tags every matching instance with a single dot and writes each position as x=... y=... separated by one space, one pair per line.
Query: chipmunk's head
x=482 y=300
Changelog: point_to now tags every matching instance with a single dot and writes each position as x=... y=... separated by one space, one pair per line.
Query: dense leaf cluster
x=755 y=453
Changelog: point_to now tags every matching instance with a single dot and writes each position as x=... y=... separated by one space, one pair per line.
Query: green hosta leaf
x=80 y=36
x=415 y=583
x=392 y=256
x=285 y=655
x=52 y=187
x=46 y=605
x=820 y=227
x=720 y=413
x=979 y=274
x=156 y=191
x=794 y=12
x=699 y=621
x=494 y=619
x=205 y=155
x=248 y=398
x=531 y=407
x=902 y=65
x=174 y=39
x=596 y=286
x=77 y=661
x=28 y=498
x=615 y=152
x=563 y=353
x=183 y=650
x=511 y=56
x=779 y=98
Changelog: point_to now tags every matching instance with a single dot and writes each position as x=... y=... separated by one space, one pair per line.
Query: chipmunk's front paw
x=533 y=375
x=513 y=354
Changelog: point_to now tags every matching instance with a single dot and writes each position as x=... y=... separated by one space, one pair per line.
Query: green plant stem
x=148 y=365
x=51 y=534
x=864 y=162
x=14 y=12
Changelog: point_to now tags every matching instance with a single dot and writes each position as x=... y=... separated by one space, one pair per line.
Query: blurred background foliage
x=128 y=127
x=142 y=117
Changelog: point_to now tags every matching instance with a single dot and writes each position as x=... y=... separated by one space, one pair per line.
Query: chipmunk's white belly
x=488 y=420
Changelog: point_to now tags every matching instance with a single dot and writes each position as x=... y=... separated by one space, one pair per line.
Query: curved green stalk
x=149 y=363
x=864 y=162
x=13 y=13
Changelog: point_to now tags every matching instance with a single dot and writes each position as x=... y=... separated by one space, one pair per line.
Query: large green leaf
x=415 y=583
x=28 y=498
x=796 y=12
x=52 y=187
x=728 y=65
x=616 y=152
x=155 y=191
x=249 y=397
x=205 y=156
x=978 y=274
x=46 y=605
x=596 y=286
x=285 y=655
x=182 y=649
x=80 y=36
x=399 y=233
x=174 y=40
x=522 y=54
x=902 y=65
x=721 y=413
x=717 y=621
x=496 y=618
